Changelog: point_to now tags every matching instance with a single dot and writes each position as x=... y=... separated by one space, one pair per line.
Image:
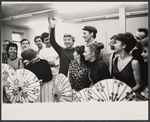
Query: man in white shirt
x=48 y=53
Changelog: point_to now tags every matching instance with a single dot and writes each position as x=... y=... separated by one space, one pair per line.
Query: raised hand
x=52 y=22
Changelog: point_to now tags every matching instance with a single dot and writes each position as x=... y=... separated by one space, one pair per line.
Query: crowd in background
x=84 y=65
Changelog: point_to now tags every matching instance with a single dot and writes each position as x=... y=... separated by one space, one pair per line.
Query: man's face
x=87 y=36
x=68 y=42
x=5 y=45
x=139 y=36
x=47 y=42
x=25 y=44
x=39 y=42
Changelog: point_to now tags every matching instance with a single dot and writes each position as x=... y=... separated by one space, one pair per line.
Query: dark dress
x=98 y=71
x=78 y=75
x=126 y=74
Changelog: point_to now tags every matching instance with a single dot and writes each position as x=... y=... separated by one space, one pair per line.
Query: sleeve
x=104 y=70
x=48 y=72
x=53 y=42
x=41 y=54
x=103 y=57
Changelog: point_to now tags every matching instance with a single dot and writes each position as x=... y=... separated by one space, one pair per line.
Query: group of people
x=84 y=65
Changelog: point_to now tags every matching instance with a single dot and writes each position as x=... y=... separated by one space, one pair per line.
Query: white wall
x=106 y=28
x=6 y=33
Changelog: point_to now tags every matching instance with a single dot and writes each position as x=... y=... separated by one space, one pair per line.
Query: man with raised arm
x=65 y=54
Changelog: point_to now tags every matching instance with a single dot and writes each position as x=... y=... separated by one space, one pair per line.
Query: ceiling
x=63 y=11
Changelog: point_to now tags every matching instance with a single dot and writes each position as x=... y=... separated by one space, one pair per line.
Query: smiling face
x=68 y=42
x=87 y=54
x=112 y=42
x=39 y=43
x=87 y=36
x=12 y=51
x=118 y=46
x=139 y=36
x=145 y=54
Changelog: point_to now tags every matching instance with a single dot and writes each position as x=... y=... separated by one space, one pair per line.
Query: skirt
x=46 y=90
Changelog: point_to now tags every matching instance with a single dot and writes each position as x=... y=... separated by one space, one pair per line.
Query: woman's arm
x=21 y=65
x=137 y=75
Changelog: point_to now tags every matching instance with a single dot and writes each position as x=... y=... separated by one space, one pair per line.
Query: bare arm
x=137 y=74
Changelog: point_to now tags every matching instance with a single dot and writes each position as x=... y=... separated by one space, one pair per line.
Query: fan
x=111 y=90
x=82 y=95
x=22 y=86
x=62 y=91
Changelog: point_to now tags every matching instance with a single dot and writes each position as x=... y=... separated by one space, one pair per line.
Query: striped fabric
x=46 y=92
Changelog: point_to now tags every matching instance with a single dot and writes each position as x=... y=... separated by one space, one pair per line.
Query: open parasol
x=22 y=86
x=62 y=91
x=111 y=90
x=82 y=95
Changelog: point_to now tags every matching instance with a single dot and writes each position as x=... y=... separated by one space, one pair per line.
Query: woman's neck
x=79 y=61
x=123 y=55
x=93 y=59
x=12 y=57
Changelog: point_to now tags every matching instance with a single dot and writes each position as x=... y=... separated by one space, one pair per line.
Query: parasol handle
x=41 y=83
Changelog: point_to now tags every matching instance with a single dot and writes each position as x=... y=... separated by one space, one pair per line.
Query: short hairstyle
x=44 y=35
x=144 y=42
x=11 y=44
x=24 y=40
x=37 y=38
x=127 y=39
x=113 y=37
x=28 y=54
x=91 y=29
x=96 y=48
x=143 y=30
x=69 y=35
x=6 y=41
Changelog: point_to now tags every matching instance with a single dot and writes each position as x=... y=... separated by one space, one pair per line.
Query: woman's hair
x=44 y=35
x=28 y=54
x=127 y=39
x=96 y=48
x=144 y=42
x=11 y=44
x=80 y=51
